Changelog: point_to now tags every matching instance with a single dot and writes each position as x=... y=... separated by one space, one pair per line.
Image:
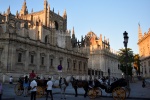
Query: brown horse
x=79 y=84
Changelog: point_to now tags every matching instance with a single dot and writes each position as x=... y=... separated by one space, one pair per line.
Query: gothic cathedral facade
x=38 y=41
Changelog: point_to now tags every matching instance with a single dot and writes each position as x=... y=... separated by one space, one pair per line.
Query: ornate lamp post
x=125 y=34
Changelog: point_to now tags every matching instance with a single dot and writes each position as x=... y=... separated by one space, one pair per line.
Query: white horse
x=62 y=83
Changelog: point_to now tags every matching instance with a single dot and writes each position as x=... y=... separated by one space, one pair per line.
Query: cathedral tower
x=65 y=20
x=139 y=33
x=45 y=12
x=24 y=9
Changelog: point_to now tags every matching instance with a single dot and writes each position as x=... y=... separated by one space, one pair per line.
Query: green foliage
x=126 y=58
x=137 y=63
x=123 y=69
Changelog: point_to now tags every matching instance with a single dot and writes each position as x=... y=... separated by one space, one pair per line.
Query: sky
x=107 y=17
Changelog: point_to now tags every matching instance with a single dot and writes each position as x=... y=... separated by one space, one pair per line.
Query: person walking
x=33 y=86
x=26 y=85
x=10 y=81
x=1 y=90
x=49 y=89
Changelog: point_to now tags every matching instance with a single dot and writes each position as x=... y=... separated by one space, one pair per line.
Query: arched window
x=56 y=25
x=46 y=39
x=19 y=57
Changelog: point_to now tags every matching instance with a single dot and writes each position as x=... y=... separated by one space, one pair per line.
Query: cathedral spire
x=8 y=10
x=73 y=33
x=45 y=12
x=48 y=16
x=24 y=9
x=17 y=13
x=100 y=37
x=65 y=14
x=45 y=4
x=58 y=12
x=139 y=32
x=49 y=7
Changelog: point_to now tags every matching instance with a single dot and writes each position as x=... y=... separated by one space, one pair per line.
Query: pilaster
x=27 y=60
x=47 y=63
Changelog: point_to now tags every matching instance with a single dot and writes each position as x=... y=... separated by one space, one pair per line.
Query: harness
x=62 y=83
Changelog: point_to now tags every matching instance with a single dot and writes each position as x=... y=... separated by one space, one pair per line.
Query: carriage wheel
x=18 y=89
x=39 y=92
x=98 y=92
x=92 y=93
x=119 y=93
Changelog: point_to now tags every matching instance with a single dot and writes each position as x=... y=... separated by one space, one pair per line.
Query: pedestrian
x=11 y=80
x=33 y=86
x=32 y=75
x=63 y=86
x=1 y=91
x=26 y=86
x=49 y=89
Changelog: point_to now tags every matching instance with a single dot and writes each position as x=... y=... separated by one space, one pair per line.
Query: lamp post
x=108 y=76
x=125 y=34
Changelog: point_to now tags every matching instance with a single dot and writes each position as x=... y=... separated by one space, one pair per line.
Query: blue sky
x=107 y=17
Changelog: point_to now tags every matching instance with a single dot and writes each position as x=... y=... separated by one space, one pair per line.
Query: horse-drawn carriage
x=118 y=89
x=41 y=87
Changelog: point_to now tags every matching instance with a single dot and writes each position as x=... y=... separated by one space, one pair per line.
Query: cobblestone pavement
x=137 y=93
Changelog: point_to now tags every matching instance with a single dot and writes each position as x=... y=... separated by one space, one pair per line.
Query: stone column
x=13 y=55
x=5 y=58
x=47 y=63
x=27 y=60
x=38 y=61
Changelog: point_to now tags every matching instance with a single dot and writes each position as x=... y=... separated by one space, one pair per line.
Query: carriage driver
x=32 y=75
x=94 y=84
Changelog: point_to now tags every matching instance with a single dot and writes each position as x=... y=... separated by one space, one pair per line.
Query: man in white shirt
x=33 y=86
x=49 y=89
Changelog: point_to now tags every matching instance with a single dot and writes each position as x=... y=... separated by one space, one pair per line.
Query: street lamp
x=125 y=34
x=108 y=76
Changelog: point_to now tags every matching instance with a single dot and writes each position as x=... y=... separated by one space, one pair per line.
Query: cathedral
x=102 y=59
x=144 y=52
x=39 y=41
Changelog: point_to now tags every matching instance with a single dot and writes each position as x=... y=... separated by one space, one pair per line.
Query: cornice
x=40 y=44
x=143 y=38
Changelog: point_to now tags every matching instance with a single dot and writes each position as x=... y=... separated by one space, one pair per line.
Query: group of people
x=31 y=82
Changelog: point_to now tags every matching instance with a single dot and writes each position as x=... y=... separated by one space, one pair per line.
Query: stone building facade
x=39 y=41
x=101 y=57
x=144 y=52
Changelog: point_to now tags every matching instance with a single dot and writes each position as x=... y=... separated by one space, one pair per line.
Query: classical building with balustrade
x=144 y=51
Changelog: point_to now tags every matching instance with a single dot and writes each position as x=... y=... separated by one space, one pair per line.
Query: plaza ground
x=137 y=93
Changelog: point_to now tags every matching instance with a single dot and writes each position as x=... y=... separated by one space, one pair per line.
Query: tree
x=137 y=63
x=123 y=60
